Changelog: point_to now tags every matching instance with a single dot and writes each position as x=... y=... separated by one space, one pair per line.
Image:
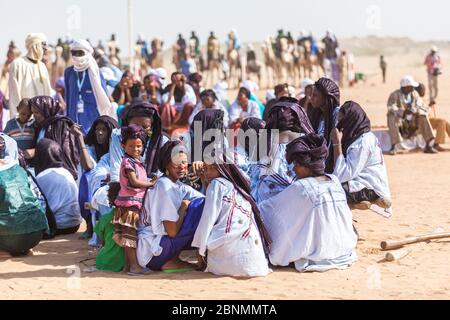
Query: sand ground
x=420 y=186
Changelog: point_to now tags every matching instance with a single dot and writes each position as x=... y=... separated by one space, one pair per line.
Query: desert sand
x=420 y=186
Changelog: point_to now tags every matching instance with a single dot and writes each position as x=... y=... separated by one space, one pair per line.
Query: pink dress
x=128 y=196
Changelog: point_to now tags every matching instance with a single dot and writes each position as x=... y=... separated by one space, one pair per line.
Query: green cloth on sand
x=111 y=257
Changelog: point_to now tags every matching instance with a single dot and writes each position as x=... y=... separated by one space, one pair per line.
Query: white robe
x=61 y=192
x=228 y=234
x=311 y=225
x=161 y=203
x=364 y=166
x=24 y=82
x=236 y=111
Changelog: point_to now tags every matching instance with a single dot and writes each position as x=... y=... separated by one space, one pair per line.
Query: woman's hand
x=336 y=136
x=199 y=168
x=184 y=205
x=76 y=131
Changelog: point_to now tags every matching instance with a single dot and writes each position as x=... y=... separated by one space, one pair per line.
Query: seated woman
x=248 y=152
x=208 y=100
x=170 y=214
x=51 y=126
x=325 y=103
x=310 y=222
x=289 y=118
x=243 y=108
x=22 y=220
x=92 y=149
x=125 y=92
x=231 y=236
x=359 y=162
x=58 y=186
x=179 y=100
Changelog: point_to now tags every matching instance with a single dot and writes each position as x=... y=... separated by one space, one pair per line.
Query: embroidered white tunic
x=228 y=235
x=310 y=225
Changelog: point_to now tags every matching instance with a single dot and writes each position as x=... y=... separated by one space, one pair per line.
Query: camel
x=234 y=61
x=286 y=61
x=270 y=62
x=59 y=65
x=213 y=67
x=114 y=52
x=253 y=66
x=156 y=56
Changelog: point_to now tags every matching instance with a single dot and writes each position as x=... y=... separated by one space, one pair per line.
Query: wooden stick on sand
x=397 y=254
x=395 y=244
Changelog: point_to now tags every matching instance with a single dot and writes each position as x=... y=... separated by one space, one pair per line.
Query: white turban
x=82 y=45
x=33 y=43
x=87 y=62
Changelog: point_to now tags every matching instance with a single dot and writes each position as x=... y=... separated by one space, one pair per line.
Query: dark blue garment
x=172 y=247
x=91 y=112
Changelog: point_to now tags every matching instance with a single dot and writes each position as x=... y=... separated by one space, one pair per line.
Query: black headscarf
x=332 y=97
x=233 y=174
x=210 y=119
x=287 y=114
x=57 y=128
x=353 y=125
x=252 y=123
x=166 y=153
x=91 y=138
x=332 y=94
x=141 y=108
x=309 y=151
x=48 y=155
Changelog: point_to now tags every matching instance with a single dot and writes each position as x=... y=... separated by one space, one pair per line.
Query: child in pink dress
x=133 y=184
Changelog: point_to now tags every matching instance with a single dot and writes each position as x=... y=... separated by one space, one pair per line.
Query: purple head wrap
x=309 y=151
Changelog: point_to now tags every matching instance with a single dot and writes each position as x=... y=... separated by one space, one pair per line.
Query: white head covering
x=221 y=86
x=434 y=49
x=305 y=83
x=270 y=94
x=408 y=81
x=250 y=85
x=33 y=43
x=87 y=62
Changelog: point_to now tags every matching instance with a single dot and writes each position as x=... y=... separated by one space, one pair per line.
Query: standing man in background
x=433 y=64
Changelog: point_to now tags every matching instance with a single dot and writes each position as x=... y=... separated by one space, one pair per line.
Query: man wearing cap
x=86 y=93
x=28 y=76
x=433 y=64
x=403 y=103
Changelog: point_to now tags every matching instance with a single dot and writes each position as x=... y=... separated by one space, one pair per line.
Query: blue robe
x=91 y=113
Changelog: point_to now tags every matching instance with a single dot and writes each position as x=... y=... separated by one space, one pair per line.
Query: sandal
x=143 y=272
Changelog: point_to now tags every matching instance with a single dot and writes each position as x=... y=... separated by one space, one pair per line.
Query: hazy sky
x=253 y=19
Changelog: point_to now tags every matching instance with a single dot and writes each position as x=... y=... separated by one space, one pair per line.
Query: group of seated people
x=147 y=195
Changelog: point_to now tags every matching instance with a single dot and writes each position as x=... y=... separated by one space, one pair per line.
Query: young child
x=21 y=128
x=111 y=257
x=133 y=184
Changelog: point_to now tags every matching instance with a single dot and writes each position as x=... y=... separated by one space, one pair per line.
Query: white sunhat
x=434 y=49
x=408 y=81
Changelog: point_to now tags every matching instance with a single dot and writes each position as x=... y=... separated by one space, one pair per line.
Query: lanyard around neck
x=81 y=82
